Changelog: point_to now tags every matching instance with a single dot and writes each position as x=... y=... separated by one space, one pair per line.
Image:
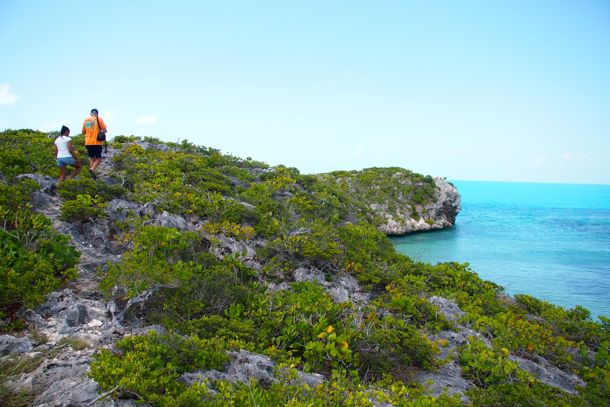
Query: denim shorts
x=63 y=161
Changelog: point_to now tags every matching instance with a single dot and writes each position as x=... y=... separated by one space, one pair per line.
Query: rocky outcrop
x=548 y=374
x=11 y=345
x=440 y=213
x=448 y=379
x=342 y=288
x=447 y=308
x=245 y=366
x=70 y=391
x=449 y=376
x=397 y=200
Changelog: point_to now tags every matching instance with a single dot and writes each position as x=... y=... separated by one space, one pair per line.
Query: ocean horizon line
x=531 y=182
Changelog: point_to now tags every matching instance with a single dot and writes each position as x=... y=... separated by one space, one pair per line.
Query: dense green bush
x=389 y=345
x=521 y=394
x=26 y=151
x=159 y=256
x=85 y=199
x=72 y=188
x=207 y=292
x=314 y=244
x=84 y=208
x=487 y=367
x=292 y=318
x=368 y=254
x=230 y=229
x=407 y=296
x=574 y=324
x=147 y=367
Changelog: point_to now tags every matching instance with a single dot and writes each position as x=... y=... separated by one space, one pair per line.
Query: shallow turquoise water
x=551 y=241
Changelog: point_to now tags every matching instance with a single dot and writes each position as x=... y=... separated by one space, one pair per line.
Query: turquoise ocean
x=551 y=241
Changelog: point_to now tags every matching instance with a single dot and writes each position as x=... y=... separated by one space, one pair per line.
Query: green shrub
x=160 y=256
x=388 y=345
x=527 y=338
x=287 y=325
x=574 y=324
x=337 y=393
x=521 y=394
x=72 y=188
x=26 y=151
x=230 y=229
x=330 y=351
x=125 y=139
x=207 y=291
x=148 y=366
x=366 y=253
x=314 y=243
x=222 y=326
x=407 y=297
x=84 y=208
x=486 y=367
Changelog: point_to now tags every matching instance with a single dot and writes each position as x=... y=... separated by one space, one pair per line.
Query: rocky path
x=65 y=331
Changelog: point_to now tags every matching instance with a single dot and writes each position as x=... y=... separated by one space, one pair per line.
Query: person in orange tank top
x=91 y=127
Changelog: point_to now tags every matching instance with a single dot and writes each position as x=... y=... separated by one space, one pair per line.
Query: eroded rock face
x=11 y=345
x=449 y=375
x=66 y=313
x=448 y=379
x=439 y=214
x=70 y=391
x=342 y=288
x=449 y=309
x=449 y=203
x=244 y=366
x=47 y=184
x=549 y=374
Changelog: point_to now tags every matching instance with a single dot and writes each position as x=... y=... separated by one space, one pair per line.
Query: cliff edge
x=401 y=201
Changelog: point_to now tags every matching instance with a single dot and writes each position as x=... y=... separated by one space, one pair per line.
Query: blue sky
x=469 y=90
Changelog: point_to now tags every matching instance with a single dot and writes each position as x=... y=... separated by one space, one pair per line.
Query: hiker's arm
x=71 y=150
x=55 y=150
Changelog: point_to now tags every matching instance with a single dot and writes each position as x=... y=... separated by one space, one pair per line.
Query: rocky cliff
x=402 y=201
x=439 y=213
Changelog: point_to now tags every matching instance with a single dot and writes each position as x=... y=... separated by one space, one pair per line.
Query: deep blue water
x=551 y=241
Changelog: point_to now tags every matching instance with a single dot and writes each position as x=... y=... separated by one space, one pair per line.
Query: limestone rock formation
x=440 y=213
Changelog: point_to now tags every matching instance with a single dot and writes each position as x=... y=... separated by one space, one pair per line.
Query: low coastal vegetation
x=368 y=349
x=36 y=259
